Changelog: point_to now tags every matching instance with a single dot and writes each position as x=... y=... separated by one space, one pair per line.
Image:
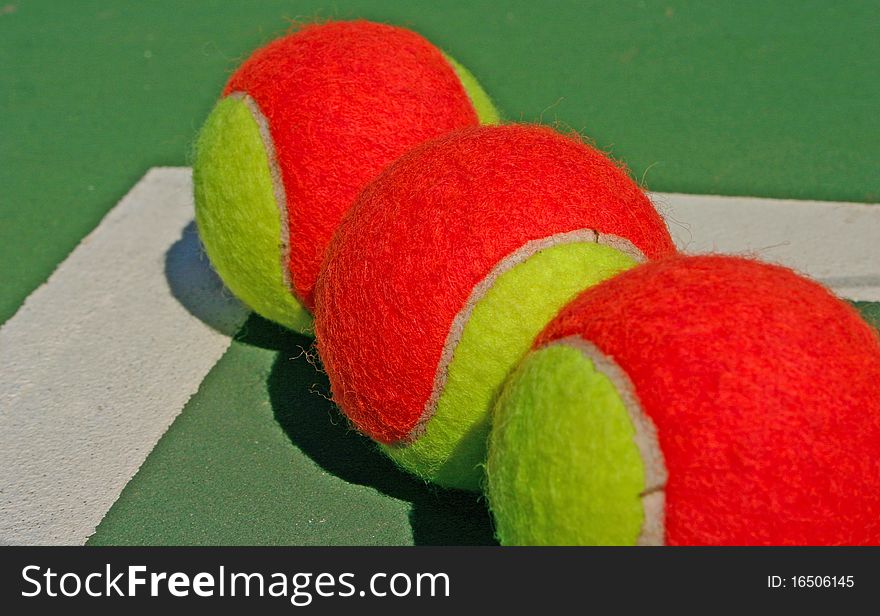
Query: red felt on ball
x=765 y=392
x=425 y=233
x=342 y=100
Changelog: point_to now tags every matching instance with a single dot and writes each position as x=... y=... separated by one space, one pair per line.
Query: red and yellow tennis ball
x=693 y=400
x=303 y=125
x=449 y=265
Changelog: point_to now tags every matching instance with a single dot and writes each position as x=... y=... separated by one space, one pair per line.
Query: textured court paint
x=563 y=465
x=240 y=221
x=870 y=312
x=241 y=470
x=518 y=305
x=100 y=359
x=724 y=98
x=259 y=456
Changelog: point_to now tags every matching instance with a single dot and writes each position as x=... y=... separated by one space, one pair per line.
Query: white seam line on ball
x=653 y=496
x=278 y=189
x=459 y=323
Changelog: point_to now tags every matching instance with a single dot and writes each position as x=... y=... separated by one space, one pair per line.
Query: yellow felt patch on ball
x=332 y=105
x=563 y=465
x=238 y=216
x=506 y=315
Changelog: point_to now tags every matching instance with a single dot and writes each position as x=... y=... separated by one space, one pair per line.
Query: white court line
x=835 y=243
x=99 y=360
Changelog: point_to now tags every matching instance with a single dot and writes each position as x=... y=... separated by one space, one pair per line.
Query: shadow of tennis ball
x=298 y=391
x=197 y=287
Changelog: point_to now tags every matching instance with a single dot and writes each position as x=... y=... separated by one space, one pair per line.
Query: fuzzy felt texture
x=237 y=214
x=763 y=388
x=495 y=335
x=432 y=227
x=343 y=100
x=559 y=413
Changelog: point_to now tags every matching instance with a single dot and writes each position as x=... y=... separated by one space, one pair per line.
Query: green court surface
x=772 y=99
x=259 y=456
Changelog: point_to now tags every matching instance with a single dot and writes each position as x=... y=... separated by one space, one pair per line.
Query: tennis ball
x=302 y=126
x=693 y=400
x=446 y=268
